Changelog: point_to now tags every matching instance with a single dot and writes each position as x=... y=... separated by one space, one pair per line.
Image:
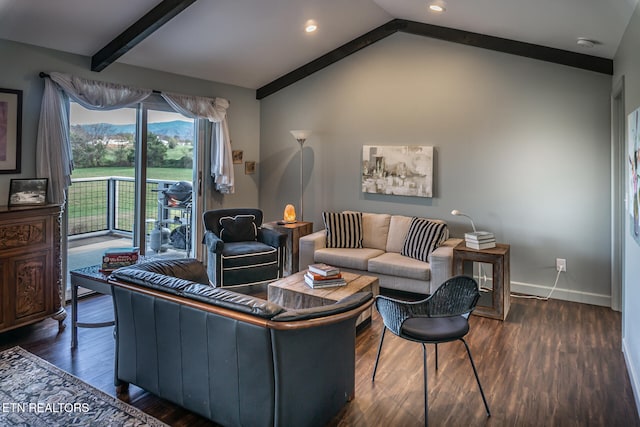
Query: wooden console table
x=294 y=232
x=494 y=303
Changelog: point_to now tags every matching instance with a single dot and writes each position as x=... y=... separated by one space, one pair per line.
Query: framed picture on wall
x=237 y=156
x=398 y=170
x=634 y=174
x=28 y=192
x=10 y=130
x=249 y=167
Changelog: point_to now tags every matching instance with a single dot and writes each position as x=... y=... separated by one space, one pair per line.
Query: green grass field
x=87 y=201
x=170 y=174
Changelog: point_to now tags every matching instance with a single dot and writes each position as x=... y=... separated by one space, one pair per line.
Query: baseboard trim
x=633 y=377
x=561 y=294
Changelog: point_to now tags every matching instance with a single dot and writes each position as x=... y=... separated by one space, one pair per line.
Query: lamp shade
x=456 y=212
x=301 y=135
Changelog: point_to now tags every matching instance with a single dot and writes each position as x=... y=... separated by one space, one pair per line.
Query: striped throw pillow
x=423 y=237
x=343 y=230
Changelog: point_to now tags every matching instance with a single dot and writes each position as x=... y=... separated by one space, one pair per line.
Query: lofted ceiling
x=250 y=43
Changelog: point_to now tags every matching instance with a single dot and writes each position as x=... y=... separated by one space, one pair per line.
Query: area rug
x=35 y=393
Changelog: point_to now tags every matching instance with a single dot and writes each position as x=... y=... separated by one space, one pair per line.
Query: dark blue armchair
x=240 y=251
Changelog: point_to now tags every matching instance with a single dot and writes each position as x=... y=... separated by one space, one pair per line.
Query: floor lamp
x=301 y=136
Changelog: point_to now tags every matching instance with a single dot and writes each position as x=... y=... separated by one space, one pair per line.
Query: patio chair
x=439 y=318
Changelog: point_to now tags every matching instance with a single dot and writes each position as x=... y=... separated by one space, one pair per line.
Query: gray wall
x=521 y=145
x=21 y=64
x=627 y=64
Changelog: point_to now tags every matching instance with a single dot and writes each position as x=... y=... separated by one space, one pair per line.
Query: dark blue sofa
x=232 y=358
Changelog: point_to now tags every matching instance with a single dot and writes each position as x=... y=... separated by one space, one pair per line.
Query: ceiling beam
x=145 y=26
x=327 y=59
x=543 y=53
x=528 y=50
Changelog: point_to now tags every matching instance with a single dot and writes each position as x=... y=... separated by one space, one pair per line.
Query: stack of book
x=323 y=275
x=480 y=240
x=119 y=257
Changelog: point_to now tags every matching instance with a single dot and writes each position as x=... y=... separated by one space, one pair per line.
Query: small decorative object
x=289 y=214
x=403 y=170
x=237 y=156
x=249 y=167
x=10 y=130
x=25 y=192
x=115 y=258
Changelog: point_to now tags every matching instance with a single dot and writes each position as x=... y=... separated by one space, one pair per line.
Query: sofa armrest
x=308 y=245
x=345 y=304
x=182 y=268
x=441 y=262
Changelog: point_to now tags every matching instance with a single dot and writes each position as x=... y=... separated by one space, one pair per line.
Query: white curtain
x=53 y=152
x=97 y=95
x=214 y=110
x=53 y=148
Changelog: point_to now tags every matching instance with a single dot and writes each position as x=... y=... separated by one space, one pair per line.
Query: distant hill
x=176 y=128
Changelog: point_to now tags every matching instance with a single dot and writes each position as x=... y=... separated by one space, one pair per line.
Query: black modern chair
x=240 y=251
x=439 y=318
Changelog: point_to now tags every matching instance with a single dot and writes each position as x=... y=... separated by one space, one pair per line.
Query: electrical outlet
x=561 y=264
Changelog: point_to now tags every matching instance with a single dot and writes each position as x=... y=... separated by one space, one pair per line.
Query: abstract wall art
x=398 y=170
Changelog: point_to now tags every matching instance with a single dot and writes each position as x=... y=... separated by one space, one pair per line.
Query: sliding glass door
x=132 y=183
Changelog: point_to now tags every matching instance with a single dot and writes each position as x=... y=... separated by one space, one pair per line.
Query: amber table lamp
x=289 y=214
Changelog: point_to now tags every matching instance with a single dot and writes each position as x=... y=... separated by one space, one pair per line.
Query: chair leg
x=475 y=372
x=375 y=367
x=426 y=393
x=436 y=356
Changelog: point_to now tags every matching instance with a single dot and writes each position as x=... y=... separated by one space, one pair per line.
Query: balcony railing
x=105 y=205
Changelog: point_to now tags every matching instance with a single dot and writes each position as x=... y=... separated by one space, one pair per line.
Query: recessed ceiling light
x=310 y=26
x=436 y=8
x=585 y=42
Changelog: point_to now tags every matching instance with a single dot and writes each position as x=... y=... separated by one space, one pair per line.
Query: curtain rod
x=43 y=75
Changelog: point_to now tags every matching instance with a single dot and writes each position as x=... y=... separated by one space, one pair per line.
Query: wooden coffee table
x=292 y=292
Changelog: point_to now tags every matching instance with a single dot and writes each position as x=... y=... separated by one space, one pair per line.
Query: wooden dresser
x=30 y=266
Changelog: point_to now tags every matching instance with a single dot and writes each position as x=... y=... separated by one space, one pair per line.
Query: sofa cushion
x=423 y=237
x=239 y=228
x=347 y=257
x=398 y=229
x=343 y=229
x=240 y=254
x=394 y=264
x=375 y=230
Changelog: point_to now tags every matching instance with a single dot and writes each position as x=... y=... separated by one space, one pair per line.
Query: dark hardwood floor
x=550 y=363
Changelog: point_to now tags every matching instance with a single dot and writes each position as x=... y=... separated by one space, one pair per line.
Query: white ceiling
x=250 y=43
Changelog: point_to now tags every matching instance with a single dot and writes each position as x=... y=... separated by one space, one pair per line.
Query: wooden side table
x=495 y=302
x=294 y=232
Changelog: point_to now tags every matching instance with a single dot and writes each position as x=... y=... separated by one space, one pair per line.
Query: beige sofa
x=383 y=238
